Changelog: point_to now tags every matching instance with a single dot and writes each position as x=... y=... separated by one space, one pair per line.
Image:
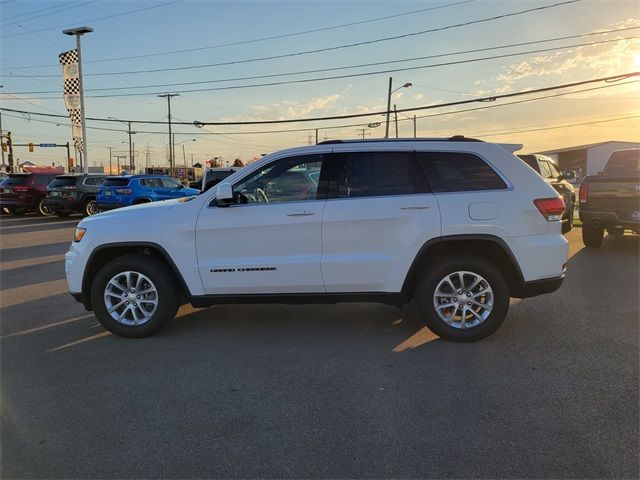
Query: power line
x=352 y=75
x=93 y=20
x=338 y=47
x=614 y=78
x=554 y=127
x=344 y=67
x=45 y=14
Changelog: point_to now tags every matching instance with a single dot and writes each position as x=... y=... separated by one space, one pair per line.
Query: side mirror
x=569 y=175
x=224 y=195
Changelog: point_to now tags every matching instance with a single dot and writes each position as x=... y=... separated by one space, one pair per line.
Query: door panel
x=380 y=215
x=269 y=240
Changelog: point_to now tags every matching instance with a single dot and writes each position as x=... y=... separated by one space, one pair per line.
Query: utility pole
x=133 y=164
x=1 y=138
x=414 y=127
x=110 y=171
x=386 y=133
x=10 y=156
x=316 y=136
x=192 y=162
x=395 y=111
x=146 y=158
x=168 y=96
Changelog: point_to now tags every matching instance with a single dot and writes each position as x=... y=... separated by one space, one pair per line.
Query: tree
x=238 y=163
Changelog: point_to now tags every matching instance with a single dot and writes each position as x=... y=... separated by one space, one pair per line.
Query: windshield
x=116 y=182
x=15 y=179
x=59 y=182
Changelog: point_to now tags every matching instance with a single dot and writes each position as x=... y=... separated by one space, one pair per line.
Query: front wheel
x=463 y=298
x=134 y=296
x=592 y=236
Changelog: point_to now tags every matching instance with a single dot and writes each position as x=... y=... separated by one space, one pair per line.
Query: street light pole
x=78 y=32
x=130 y=145
x=171 y=151
x=406 y=85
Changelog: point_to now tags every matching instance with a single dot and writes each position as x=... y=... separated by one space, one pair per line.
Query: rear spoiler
x=511 y=147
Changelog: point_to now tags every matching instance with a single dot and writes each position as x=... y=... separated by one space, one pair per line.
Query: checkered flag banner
x=71 y=90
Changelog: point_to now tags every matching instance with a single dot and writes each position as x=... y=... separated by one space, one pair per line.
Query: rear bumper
x=62 y=203
x=609 y=219
x=10 y=202
x=103 y=207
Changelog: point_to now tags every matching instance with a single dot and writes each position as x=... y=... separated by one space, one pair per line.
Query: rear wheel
x=463 y=298
x=42 y=210
x=592 y=236
x=134 y=296
x=90 y=208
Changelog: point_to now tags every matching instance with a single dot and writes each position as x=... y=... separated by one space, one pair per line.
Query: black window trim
x=321 y=192
x=333 y=187
x=509 y=185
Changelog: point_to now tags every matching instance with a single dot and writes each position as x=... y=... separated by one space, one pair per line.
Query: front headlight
x=79 y=233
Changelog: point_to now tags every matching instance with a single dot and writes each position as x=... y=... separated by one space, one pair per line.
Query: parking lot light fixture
x=406 y=85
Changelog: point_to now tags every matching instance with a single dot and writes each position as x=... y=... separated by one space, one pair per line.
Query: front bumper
x=540 y=287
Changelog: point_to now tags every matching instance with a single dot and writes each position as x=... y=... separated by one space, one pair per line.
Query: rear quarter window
x=459 y=172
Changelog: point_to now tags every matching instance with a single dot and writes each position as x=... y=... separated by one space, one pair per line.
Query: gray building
x=587 y=159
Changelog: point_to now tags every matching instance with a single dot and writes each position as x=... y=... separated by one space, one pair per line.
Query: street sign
x=47 y=145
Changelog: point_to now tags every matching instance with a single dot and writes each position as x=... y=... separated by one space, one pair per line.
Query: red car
x=25 y=192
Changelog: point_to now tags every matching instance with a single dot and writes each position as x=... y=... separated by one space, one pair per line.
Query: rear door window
x=13 y=180
x=459 y=172
x=374 y=174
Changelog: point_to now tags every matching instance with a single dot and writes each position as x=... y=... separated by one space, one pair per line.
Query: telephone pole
x=168 y=96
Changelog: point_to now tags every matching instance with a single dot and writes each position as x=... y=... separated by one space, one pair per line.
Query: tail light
x=123 y=191
x=20 y=190
x=551 y=208
x=584 y=193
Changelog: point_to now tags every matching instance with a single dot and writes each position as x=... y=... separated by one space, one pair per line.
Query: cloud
x=289 y=108
x=592 y=60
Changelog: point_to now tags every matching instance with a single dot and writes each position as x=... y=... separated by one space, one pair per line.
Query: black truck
x=610 y=200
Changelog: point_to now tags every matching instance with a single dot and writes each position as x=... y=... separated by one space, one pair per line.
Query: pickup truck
x=610 y=200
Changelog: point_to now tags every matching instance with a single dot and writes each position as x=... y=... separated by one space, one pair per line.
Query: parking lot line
x=29 y=262
x=35 y=291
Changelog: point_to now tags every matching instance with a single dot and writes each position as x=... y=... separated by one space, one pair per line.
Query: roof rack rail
x=454 y=138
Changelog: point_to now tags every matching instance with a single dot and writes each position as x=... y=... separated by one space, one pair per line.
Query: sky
x=228 y=50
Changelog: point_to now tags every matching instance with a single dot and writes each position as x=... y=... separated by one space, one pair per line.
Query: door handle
x=300 y=213
x=414 y=207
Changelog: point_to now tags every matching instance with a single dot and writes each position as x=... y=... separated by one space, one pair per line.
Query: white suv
x=458 y=224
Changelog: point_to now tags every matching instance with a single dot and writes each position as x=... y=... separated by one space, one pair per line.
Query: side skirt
x=201 y=301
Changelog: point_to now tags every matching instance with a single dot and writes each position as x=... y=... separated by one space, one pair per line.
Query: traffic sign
x=47 y=145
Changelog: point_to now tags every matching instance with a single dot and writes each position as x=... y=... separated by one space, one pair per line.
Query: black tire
x=568 y=226
x=164 y=281
x=142 y=200
x=90 y=208
x=592 y=236
x=42 y=210
x=443 y=266
x=63 y=214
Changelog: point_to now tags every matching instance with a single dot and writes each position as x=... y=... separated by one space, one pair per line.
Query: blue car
x=116 y=192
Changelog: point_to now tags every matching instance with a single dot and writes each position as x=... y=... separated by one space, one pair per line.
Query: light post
x=78 y=32
x=406 y=85
x=184 y=157
x=128 y=124
x=414 y=122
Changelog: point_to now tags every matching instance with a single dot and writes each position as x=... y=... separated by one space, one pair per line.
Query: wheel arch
x=102 y=254
x=489 y=247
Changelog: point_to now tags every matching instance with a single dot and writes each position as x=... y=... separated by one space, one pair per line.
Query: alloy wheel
x=131 y=298
x=463 y=299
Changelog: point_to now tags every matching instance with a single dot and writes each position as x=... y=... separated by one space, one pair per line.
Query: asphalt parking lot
x=332 y=391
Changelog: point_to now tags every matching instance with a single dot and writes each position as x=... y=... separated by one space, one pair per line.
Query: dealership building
x=587 y=159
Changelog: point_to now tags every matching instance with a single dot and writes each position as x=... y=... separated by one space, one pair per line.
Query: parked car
x=459 y=224
x=610 y=200
x=213 y=176
x=25 y=192
x=549 y=170
x=116 y=192
x=73 y=193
